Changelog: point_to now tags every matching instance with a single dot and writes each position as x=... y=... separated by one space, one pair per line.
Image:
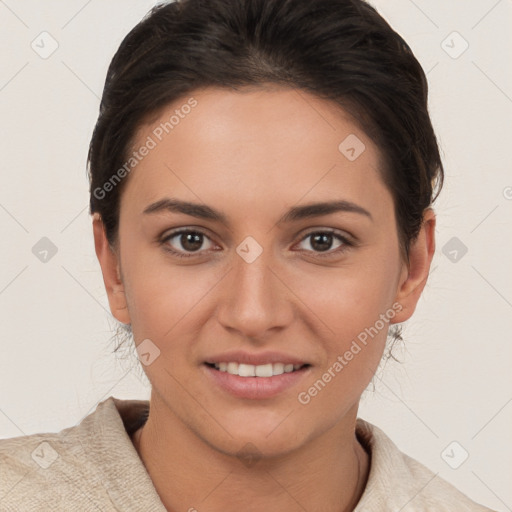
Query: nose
x=256 y=300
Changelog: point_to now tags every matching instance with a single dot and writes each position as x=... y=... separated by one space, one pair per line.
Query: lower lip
x=255 y=388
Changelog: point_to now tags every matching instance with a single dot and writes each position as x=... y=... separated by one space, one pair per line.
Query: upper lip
x=255 y=359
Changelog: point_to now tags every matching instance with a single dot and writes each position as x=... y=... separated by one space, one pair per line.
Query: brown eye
x=321 y=241
x=191 y=241
x=185 y=241
x=325 y=242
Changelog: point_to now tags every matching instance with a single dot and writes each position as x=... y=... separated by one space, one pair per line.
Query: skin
x=253 y=155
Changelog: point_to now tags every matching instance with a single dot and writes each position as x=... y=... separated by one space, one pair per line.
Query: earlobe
x=416 y=274
x=109 y=263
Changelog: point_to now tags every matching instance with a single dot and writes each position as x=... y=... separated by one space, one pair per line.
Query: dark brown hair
x=340 y=50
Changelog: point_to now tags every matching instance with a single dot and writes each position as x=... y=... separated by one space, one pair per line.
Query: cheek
x=357 y=308
x=349 y=299
x=354 y=305
x=163 y=299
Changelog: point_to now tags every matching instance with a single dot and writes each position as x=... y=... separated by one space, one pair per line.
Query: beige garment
x=94 y=466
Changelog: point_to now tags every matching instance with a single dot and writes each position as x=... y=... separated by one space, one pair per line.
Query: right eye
x=184 y=243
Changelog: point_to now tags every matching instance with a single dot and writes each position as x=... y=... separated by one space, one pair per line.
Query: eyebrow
x=295 y=214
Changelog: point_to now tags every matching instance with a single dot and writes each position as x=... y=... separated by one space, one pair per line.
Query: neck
x=328 y=474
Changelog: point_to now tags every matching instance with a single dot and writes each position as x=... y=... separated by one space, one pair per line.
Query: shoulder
x=89 y=467
x=39 y=469
x=398 y=482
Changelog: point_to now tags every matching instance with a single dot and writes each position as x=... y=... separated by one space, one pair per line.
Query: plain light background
x=56 y=360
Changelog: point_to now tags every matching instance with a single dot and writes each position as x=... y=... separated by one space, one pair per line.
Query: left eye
x=322 y=241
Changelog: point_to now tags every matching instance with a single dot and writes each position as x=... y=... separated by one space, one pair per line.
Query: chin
x=256 y=439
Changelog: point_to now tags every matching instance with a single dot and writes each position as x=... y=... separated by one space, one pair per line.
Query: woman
x=262 y=175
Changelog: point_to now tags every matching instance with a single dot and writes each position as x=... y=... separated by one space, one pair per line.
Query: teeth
x=262 y=370
x=232 y=368
x=246 y=370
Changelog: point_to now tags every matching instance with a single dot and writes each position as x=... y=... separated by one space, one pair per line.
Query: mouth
x=262 y=370
x=255 y=382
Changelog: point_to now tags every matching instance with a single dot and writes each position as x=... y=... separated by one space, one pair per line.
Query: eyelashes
x=329 y=234
x=199 y=235
x=181 y=233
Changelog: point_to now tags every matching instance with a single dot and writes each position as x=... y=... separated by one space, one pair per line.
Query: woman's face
x=264 y=274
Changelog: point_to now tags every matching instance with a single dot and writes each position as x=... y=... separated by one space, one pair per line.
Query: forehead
x=274 y=145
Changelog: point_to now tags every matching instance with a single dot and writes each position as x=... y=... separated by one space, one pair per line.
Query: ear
x=111 y=274
x=414 y=276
